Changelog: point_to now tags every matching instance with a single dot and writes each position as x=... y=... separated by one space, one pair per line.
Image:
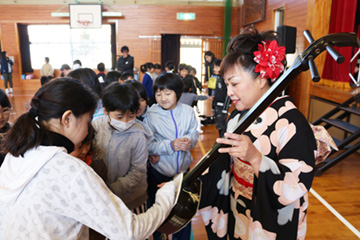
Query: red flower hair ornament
x=269 y=59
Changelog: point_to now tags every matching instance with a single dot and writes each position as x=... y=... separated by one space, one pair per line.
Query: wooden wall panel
x=318 y=23
x=10 y=45
x=299 y=14
x=156 y=20
x=236 y=21
x=146 y=20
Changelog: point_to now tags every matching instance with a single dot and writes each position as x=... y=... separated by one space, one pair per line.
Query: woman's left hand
x=241 y=147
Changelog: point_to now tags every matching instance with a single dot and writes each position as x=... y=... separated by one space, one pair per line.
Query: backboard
x=85 y=15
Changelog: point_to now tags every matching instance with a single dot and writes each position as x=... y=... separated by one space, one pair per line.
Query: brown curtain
x=25 y=48
x=170 y=49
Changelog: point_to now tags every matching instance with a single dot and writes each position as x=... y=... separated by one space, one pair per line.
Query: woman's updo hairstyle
x=241 y=50
x=50 y=102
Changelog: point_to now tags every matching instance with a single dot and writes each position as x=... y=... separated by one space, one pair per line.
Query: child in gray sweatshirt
x=122 y=143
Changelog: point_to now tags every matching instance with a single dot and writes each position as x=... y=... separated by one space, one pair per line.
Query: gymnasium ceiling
x=122 y=2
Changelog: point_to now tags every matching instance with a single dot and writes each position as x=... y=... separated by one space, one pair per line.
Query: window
x=64 y=45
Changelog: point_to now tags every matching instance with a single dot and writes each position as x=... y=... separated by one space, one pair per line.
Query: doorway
x=190 y=53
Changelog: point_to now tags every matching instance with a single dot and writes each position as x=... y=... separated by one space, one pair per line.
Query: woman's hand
x=243 y=148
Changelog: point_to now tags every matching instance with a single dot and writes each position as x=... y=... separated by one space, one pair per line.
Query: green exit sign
x=185 y=16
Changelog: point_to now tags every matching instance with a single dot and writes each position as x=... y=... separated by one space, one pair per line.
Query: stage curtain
x=343 y=15
x=113 y=46
x=170 y=49
x=25 y=49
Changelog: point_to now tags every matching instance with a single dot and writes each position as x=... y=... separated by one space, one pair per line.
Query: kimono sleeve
x=287 y=175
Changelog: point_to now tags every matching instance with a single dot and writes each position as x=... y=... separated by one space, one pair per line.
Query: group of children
x=130 y=133
x=136 y=146
x=187 y=73
x=133 y=143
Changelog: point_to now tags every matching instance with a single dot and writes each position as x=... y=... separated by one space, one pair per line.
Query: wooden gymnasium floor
x=334 y=211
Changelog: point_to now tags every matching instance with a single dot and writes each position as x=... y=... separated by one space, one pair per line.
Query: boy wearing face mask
x=122 y=144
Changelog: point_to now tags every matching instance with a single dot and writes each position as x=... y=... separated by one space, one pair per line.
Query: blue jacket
x=6 y=65
x=167 y=125
x=148 y=84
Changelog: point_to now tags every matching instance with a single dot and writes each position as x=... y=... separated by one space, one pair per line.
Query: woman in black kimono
x=268 y=170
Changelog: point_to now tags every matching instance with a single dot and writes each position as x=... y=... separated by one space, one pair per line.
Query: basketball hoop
x=85 y=15
x=83 y=22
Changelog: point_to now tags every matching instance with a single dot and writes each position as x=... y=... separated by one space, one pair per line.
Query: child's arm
x=127 y=183
x=192 y=134
x=201 y=97
x=156 y=147
x=160 y=147
x=198 y=83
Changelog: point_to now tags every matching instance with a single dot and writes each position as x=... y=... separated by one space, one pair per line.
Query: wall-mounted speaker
x=287 y=36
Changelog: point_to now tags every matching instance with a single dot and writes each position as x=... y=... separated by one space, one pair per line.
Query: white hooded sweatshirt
x=48 y=194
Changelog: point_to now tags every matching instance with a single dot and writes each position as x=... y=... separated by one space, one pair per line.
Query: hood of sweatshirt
x=17 y=172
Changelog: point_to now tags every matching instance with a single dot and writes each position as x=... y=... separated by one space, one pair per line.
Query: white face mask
x=120 y=125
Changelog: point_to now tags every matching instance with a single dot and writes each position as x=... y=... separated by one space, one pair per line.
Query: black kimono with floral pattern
x=238 y=204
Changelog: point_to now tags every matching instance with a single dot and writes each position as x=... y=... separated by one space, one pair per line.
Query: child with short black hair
x=188 y=97
x=143 y=108
x=101 y=74
x=112 y=76
x=197 y=83
x=147 y=81
x=174 y=127
x=126 y=76
x=169 y=66
x=183 y=70
x=122 y=143
x=157 y=71
x=5 y=125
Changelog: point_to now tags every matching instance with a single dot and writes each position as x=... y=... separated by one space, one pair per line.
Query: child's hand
x=185 y=144
x=154 y=159
x=176 y=144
